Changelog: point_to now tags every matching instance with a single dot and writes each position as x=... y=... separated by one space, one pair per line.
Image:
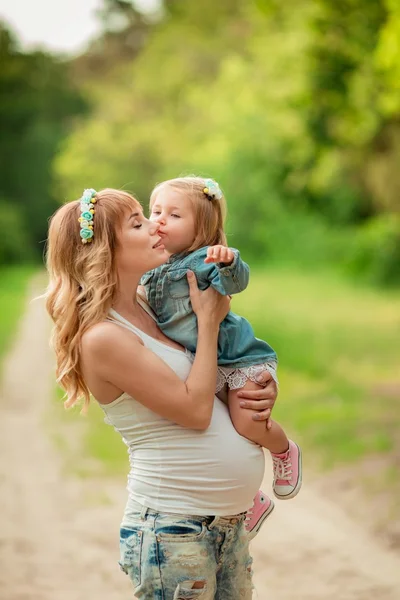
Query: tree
x=37 y=103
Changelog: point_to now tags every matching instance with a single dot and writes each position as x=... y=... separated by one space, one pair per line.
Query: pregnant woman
x=192 y=476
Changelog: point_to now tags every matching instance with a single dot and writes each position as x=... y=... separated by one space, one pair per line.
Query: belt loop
x=143 y=513
x=213 y=523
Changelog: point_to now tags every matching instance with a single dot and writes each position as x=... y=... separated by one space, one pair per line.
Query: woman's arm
x=120 y=358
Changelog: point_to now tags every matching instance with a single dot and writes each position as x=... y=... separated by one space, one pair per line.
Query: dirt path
x=55 y=544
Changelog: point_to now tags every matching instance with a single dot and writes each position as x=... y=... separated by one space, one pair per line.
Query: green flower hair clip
x=212 y=190
x=87 y=203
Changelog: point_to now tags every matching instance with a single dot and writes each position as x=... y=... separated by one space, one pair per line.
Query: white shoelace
x=282 y=468
x=249 y=515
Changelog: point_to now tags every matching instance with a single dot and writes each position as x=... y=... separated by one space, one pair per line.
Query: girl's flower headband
x=87 y=203
x=212 y=190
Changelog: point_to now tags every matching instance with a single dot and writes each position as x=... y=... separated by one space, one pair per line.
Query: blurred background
x=294 y=108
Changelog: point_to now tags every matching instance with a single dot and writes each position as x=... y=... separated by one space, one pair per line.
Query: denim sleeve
x=145 y=281
x=226 y=279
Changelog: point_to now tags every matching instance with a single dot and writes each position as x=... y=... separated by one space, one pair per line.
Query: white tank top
x=179 y=470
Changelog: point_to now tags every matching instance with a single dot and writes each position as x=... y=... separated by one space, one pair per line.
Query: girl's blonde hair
x=82 y=281
x=209 y=215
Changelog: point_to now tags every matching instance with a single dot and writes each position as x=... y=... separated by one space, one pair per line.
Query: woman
x=192 y=475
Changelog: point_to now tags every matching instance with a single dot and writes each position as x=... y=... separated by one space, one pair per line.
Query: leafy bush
x=375 y=251
x=13 y=237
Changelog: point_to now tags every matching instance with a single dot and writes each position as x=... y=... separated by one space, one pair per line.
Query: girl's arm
x=223 y=268
x=119 y=358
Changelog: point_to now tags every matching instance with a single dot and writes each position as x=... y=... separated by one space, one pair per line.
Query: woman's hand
x=261 y=401
x=208 y=305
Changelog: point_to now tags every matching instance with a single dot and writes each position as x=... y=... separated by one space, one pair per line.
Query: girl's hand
x=261 y=401
x=207 y=304
x=219 y=254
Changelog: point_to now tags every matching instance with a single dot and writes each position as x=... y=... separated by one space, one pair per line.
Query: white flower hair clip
x=212 y=190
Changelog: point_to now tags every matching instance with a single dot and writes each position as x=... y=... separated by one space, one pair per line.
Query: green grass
x=13 y=284
x=83 y=438
x=339 y=352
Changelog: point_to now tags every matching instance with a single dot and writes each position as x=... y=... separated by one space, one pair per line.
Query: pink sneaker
x=287 y=472
x=258 y=513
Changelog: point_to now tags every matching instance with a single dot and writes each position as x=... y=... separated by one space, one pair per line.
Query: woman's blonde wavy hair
x=209 y=215
x=82 y=281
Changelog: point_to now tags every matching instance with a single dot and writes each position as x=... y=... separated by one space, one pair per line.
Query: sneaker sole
x=251 y=534
x=299 y=481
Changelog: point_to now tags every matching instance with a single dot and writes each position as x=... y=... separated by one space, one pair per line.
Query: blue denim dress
x=168 y=295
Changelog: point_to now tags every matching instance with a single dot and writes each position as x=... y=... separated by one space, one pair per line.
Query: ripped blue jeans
x=179 y=557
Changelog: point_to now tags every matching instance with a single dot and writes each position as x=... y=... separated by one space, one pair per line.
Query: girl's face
x=140 y=247
x=173 y=212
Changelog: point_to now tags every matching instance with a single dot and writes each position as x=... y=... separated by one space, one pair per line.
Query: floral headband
x=212 y=190
x=87 y=203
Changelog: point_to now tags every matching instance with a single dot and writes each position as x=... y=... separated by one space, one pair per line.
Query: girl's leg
x=274 y=439
x=286 y=458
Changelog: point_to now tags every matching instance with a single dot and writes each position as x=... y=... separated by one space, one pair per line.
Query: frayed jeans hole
x=189 y=590
x=123 y=568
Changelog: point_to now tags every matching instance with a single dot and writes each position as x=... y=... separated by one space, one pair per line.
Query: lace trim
x=236 y=378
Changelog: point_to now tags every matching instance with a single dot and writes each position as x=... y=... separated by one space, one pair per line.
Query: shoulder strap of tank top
x=143 y=303
x=117 y=319
x=114 y=317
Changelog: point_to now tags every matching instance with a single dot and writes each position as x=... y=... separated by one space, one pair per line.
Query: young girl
x=190 y=212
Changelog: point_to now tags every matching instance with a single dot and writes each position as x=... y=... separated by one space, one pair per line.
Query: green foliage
x=37 y=101
x=14 y=245
x=375 y=250
x=338 y=351
x=387 y=59
x=291 y=106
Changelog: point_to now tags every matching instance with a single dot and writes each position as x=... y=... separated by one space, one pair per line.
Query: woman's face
x=140 y=247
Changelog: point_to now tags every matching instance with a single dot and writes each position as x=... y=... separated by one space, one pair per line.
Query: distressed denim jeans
x=179 y=557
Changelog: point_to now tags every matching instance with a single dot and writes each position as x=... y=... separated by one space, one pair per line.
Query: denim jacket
x=167 y=291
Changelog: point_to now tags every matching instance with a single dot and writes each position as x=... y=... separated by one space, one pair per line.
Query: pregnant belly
x=212 y=472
